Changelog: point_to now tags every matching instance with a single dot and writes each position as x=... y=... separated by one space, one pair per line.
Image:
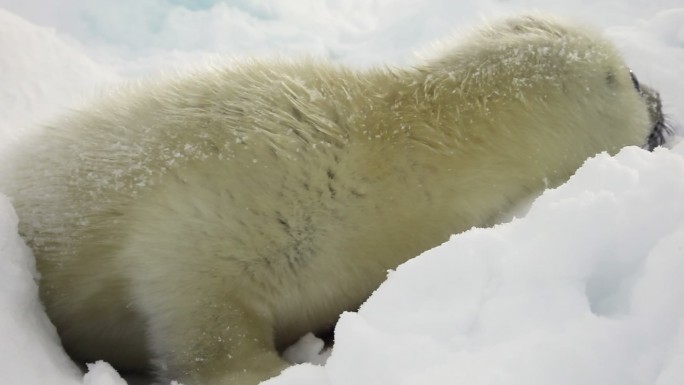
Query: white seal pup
x=196 y=226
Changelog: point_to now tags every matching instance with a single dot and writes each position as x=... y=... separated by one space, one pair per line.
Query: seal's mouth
x=661 y=130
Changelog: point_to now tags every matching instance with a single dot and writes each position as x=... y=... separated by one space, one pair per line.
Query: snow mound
x=31 y=353
x=41 y=73
x=585 y=289
x=101 y=373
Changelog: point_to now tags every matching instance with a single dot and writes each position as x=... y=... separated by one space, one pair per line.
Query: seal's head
x=557 y=86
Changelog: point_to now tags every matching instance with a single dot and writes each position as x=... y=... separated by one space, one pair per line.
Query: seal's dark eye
x=637 y=86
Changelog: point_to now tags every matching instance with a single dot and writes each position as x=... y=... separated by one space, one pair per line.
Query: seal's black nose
x=660 y=129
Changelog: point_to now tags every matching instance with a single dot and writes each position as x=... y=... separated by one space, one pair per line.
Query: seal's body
x=198 y=225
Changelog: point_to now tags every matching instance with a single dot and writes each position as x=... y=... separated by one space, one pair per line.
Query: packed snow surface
x=586 y=288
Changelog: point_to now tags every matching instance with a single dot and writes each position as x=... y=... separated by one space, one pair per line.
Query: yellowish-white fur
x=202 y=223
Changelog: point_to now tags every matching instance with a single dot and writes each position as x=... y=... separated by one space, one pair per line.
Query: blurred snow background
x=586 y=289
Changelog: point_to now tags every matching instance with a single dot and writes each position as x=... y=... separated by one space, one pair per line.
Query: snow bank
x=101 y=373
x=41 y=73
x=31 y=353
x=586 y=289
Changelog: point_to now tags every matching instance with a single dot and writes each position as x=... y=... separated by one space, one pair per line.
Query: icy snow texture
x=30 y=352
x=40 y=73
x=585 y=289
x=101 y=373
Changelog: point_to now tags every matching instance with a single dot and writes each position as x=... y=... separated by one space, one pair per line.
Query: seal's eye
x=637 y=86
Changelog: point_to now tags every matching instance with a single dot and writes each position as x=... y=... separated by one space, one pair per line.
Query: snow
x=101 y=373
x=585 y=288
x=41 y=74
x=30 y=352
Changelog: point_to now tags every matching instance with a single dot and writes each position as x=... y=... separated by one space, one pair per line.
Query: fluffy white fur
x=198 y=225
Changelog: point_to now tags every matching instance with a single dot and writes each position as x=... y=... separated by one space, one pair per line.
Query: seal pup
x=195 y=226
